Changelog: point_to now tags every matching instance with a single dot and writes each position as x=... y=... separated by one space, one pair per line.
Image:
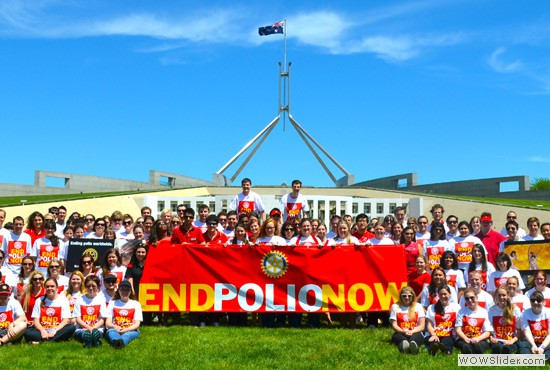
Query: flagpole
x=284 y=33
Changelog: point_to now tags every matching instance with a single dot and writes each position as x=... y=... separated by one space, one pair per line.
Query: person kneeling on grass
x=52 y=315
x=90 y=311
x=407 y=319
x=13 y=321
x=123 y=316
x=473 y=327
x=534 y=323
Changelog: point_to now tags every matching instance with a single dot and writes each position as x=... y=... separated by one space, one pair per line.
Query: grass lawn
x=230 y=348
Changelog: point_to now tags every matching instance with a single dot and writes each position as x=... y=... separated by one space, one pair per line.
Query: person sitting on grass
x=90 y=311
x=52 y=315
x=473 y=327
x=441 y=317
x=13 y=321
x=535 y=341
x=407 y=320
x=124 y=317
x=506 y=320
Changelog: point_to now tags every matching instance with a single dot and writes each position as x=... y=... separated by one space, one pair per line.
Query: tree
x=540 y=183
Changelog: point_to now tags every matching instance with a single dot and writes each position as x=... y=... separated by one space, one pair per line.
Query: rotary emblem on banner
x=274 y=264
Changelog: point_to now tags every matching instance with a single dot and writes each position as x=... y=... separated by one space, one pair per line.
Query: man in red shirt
x=490 y=238
x=187 y=233
x=362 y=221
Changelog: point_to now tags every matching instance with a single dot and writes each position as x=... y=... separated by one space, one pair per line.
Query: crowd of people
x=463 y=288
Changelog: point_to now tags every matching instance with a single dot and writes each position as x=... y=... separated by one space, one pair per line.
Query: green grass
x=187 y=347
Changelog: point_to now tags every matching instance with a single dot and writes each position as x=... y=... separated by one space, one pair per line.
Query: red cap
x=486 y=218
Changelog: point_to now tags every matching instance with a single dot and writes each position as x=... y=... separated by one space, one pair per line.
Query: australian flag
x=270 y=30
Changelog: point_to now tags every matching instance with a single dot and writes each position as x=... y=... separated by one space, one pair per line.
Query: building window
x=321 y=212
x=366 y=208
x=174 y=206
x=392 y=207
x=160 y=205
x=224 y=205
x=380 y=208
x=342 y=208
x=355 y=208
x=187 y=204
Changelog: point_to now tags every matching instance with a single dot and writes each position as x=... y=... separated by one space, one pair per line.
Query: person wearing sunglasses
x=436 y=245
x=540 y=286
x=124 y=316
x=441 y=317
x=534 y=325
x=213 y=235
x=407 y=319
x=23 y=279
x=99 y=229
x=86 y=265
x=12 y=316
x=473 y=327
x=506 y=320
x=54 y=271
x=90 y=311
x=109 y=287
x=51 y=315
x=33 y=291
x=127 y=230
x=187 y=233
x=484 y=299
x=288 y=231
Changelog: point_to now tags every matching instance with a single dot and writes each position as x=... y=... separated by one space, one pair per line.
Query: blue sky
x=451 y=90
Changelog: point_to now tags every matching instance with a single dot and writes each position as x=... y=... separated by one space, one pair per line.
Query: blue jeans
x=127 y=337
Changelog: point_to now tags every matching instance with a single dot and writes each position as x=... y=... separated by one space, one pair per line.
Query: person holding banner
x=441 y=322
x=305 y=238
x=473 y=326
x=240 y=237
x=124 y=317
x=269 y=234
x=51 y=315
x=321 y=235
x=288 y=232
x=90 y=311
x=407 y=319
x=380 y=237
x=343 y=236
x=534 y=324
x=100 y=225
x=506 y=320
x=540 y=286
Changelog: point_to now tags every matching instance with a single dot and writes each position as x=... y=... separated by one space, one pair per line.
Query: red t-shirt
x=492 y=241
x=417 y=281
x=193 y=235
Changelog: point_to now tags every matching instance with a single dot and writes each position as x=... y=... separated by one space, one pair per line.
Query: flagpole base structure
x=284 y=111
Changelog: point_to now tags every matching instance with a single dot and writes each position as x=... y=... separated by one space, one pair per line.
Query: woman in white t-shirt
x=343 y=236
x=503 y=272
x=407 y=319
x=124 y=316
x=480 y=263
x=269 y=234
x=520 y=300
x=463 y=245
x=506 y=320
x=90 y=311
x=51 y=315
x=112 y=264
x=535 y=322
x=441 y=322
x=473 y=327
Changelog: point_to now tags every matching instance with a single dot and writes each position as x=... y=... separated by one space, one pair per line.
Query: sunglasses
x=91 y=286
x=87 y=262
x=54 y=266
x=471 y=298
x=212 y=224
x=102 y=225
x=288 y=229
x=110 y=281
x=406 y=296
x=188 y=217
x=536 y=300
x=127 y=222
x=37 y=279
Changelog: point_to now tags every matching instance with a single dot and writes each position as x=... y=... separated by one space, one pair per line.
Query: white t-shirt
x=433 y=250
x=520 y=233
x=303 y=241
x=10 y=312
x=455 y=278
x=53 y=312
x=546 y=295
x=462 y=247
x=271 y=240
x=444 y=326
x=44 y=252
x=426 y=300
x=293 y=207
x=537 y=324
x=383 y=241
x=484 y=300
x=521 y=301
x=349 y=240
x=16 y=247
x=499 y=278
x=484 y=275
x=474 y=323
x=529 y=238
x=247 y=203
x=90 y=310
x=502 y=330
x=401 y=315
x=124 y=314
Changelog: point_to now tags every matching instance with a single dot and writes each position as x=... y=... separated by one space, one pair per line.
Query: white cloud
x=539 y=159
x=500 y=66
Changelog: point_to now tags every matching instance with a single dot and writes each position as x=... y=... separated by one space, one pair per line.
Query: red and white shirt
x=444 y=325
x=504 y=331
x=124 y=314
x=473 y=323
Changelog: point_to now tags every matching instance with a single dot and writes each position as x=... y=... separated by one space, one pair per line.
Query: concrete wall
x=74 y=183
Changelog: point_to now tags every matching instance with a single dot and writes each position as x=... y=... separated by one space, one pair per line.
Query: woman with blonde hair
x=33 y=291
x=506 y=320
x=407 y=319
x=75 y=289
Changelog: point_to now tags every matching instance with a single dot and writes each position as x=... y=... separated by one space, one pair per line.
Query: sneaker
x=433 y=349
x=413 y=347
x=404 y=346
x=87 y=339
x=96 y=338
x=216 y=324
x=443 y=349
x=202 y=324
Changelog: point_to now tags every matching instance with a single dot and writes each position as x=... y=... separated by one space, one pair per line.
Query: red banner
x=268 y=279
